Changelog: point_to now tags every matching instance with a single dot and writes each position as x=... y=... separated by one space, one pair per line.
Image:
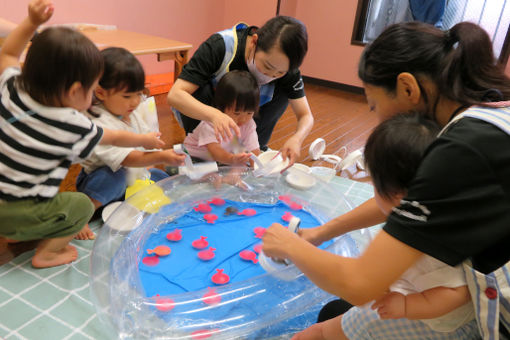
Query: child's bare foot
x=45 y=259
x=85 y=234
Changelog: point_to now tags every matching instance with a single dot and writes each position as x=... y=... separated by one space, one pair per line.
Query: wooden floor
x=341 y=118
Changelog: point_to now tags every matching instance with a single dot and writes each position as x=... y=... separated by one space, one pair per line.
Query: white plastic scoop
x=316 y=151
x=194 y=171
x=280 y=268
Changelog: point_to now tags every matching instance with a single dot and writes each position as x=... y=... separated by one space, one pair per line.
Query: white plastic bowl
x=273 y=163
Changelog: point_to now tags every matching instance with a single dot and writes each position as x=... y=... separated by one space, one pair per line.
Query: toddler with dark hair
x=237 y=95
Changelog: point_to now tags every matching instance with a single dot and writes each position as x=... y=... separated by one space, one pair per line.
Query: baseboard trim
x=334 y=85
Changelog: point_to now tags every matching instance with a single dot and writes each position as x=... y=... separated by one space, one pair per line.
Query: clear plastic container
x=261 y=307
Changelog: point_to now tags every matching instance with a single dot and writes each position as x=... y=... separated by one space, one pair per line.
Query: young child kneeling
x=237 y=95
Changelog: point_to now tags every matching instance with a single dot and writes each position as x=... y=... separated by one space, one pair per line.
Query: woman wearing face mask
x=272 y=54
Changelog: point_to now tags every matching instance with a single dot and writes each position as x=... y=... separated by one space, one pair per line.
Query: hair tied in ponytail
x=451 y=39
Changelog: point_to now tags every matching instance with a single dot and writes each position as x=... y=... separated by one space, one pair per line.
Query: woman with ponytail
x=457 y=207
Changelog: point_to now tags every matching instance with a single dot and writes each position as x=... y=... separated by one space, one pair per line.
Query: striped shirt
x=38 y=143
x=490 y=293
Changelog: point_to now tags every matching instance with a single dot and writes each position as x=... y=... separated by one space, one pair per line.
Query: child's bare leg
x=54 y=252
x=328 y=330
x=86 y=233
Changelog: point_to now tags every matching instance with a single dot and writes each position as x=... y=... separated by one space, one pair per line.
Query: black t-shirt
x=462 y=190
x=207 y=60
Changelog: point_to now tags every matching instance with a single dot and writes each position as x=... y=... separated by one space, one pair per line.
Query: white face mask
x=261 y=77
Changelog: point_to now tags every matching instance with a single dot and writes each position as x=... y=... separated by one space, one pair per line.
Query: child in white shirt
x=109 y=169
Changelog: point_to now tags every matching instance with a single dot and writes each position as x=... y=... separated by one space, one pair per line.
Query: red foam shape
x=220 y=278
x=210 y=218
x=203 y=208
x=174 y=235
x=287 y=216
x=160 y=251
x=150 y=261
x=295 y=206
x=200 y=243
x=206 y=255
x=211 y=297
x=258 y=248
x=248 y=212
x=259 y=231
x=216 y=201
x=284 y=198
x=164 y=304
x=203 y=333
x=248 y=255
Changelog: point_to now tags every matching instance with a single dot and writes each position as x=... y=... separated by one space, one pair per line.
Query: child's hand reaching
x=151 y=141
x=170 y=157
x=240 y=158
x=391 y=306
x=40 y=11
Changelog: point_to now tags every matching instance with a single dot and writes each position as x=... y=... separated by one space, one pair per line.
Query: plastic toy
x=248 y=255
x=174 y=235
x=160 y=251
x=220 y=278
x=200 y=243
x=206 y=255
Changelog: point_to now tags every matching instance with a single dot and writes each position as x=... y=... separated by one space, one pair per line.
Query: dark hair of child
x=122 y=71
x=289 y=34
x=394 y=151
x=239 y=89
x=57 y=58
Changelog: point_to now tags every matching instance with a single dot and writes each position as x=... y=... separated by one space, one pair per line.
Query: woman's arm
x=292 y=147
x=222 y=156
x=357 y=280
x=130 y=139
x=39 y=11
x=6 y=27
x=138 y=159
x=365 y=215
x=429 y=304
x=180 y=97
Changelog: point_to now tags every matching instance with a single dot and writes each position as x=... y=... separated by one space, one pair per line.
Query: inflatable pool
x=255 y=306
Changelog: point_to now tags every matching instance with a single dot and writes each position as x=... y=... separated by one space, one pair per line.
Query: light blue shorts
x=364 y=324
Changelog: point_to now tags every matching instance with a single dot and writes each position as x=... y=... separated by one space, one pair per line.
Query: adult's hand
x=291 y=150
x=224 y=125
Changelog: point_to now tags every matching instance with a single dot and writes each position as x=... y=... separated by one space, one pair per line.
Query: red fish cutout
x=248 y=212
x=210 y=218
x=203 y=333
x=220 y=278
x=295 y=206
x=287 y=216
x=200 y=243
x=160 y=251
x=258 y=248
x=259 y=231
x=203 y=208
x=206 y=255
x=211 y=297
x=284 y=198
x=174 y=235
x=164 y=304
x=150 y=261
x=248 y=255
x=216 y=201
